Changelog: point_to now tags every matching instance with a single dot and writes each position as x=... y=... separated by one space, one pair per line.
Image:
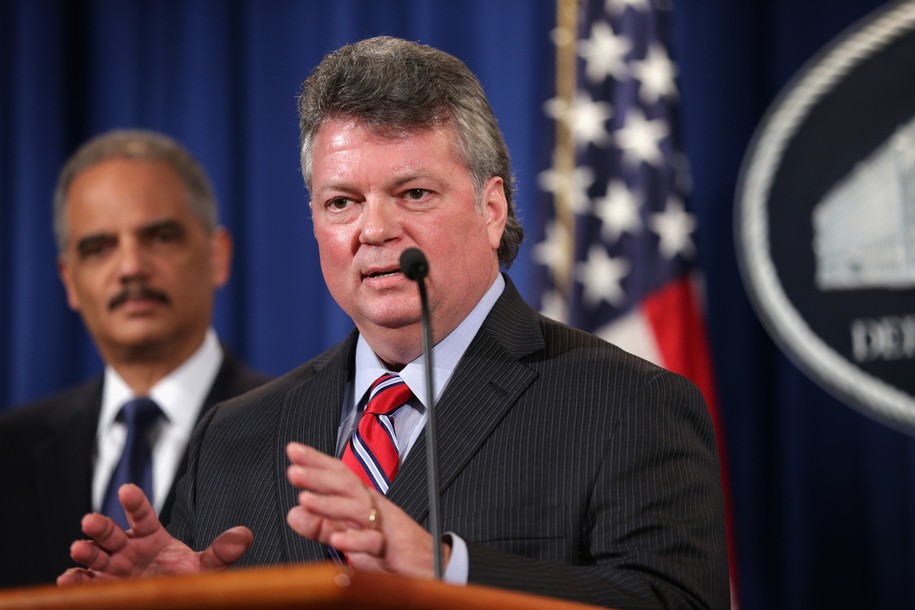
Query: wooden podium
x=307 y=586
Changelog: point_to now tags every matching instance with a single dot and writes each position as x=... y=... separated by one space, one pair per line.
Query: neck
x=396 y=347
x=142 y=378
x=142 y=367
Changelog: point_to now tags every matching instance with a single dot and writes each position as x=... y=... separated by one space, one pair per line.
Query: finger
x=313 y=460
x=140 y=514
x=365 y=561
x=345 y=511
x=355 y=541
x=75 y=576
x=227 y=548
x=88 y=553
x=107 y=537
x=99 y=527
x=304 y=523
x=323 y=480
x=305 y=455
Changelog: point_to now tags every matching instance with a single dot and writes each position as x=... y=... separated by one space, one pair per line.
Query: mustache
x=137 y=291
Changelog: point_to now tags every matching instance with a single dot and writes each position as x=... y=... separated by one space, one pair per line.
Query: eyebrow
x=168 y=224
x=89 y=241
x=399 y=181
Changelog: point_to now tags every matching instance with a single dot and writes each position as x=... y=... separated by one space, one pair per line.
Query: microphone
x=414 y=265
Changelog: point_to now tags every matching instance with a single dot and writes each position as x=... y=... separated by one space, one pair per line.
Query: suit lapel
x=311 y=415
x=486 y=384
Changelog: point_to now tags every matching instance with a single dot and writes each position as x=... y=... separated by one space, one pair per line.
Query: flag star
x=640 y=139
x=586 y=118
x=616 y=7
x=600 y=277
x=604 y=53
x=556 y=108
x=555 y=246
x=562 y=36
x=553 y=305
x=674 y=226
x=576 y=184
x=618 y=211
x=656 y=73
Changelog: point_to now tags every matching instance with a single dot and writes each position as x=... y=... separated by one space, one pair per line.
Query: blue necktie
x=135 y=465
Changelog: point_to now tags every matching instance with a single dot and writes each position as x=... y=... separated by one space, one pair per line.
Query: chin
x=141 y=338
x=394 y=320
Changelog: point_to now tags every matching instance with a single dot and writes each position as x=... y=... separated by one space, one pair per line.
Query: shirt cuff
x=458 y=566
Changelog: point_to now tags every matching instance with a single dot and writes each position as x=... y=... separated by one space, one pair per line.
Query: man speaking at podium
x=569 y=468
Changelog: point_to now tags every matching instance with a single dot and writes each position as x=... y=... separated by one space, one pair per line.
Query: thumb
x=227 y=548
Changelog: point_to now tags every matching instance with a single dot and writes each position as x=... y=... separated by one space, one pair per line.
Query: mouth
x=381 y=272
x=384 y=273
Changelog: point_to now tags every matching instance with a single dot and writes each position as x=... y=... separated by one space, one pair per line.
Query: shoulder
x=77 y=403
x=269 y=392
x=585 y=364
x=557 y=348
x=236 y=377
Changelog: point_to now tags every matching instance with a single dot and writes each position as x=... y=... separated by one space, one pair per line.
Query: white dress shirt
x=180 y=395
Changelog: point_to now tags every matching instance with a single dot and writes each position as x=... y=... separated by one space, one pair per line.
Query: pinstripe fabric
x=572 y=468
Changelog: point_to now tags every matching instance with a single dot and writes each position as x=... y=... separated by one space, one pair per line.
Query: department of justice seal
x=825 y=217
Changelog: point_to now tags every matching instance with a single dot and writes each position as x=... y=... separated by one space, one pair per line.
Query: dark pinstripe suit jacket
x=46 y=451
x=572 y=468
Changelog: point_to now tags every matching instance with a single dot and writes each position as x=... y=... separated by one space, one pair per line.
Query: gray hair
x=142 y=145
x=393 y=86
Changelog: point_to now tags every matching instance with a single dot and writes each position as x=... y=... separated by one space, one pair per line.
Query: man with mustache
x=140 y=256
x=569 y=467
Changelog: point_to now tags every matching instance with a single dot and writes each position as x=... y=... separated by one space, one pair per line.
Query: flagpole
x=566 y=37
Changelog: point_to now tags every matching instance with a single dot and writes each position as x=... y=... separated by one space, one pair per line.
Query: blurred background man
x=140 y=255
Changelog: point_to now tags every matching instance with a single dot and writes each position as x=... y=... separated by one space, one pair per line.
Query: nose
x=133 y=260
x=380 y=222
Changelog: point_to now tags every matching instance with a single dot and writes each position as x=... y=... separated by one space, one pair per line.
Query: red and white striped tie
x=372 y=450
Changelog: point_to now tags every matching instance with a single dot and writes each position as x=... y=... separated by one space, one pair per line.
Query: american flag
x=618 y=250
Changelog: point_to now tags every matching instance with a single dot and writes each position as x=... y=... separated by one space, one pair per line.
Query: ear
x=63 y=270
x=220 y=257
x=495 y=208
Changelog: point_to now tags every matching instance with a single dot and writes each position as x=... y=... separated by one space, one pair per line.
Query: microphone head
x=413 y=264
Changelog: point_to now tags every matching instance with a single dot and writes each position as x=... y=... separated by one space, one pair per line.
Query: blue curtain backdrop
x=823 y=496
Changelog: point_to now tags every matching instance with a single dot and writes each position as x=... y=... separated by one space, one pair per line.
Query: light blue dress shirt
x=410 y=419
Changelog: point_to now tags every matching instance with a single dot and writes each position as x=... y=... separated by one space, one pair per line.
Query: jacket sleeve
x=653 y=528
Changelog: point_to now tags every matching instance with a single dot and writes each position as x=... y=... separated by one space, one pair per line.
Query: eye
x=163 y=233
x=337 y=203
x=416 y=194
x=167 y=234
x=94 y=247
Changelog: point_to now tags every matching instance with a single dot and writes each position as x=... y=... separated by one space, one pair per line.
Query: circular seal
x=825 y=217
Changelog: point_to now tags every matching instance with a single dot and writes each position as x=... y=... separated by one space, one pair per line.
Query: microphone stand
x=413 y=264
x=435 y=526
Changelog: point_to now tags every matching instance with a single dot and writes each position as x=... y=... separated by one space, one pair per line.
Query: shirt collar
x=177 y=393
x=445 y=354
